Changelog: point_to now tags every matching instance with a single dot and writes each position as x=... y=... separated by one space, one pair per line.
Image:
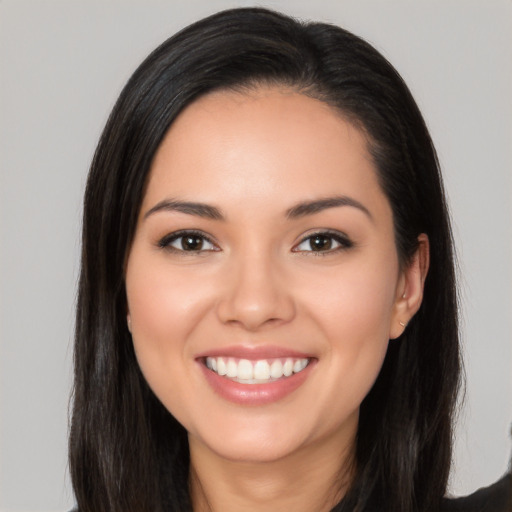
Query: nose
x=256 y=294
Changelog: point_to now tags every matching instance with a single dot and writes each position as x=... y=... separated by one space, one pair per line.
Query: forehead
x=258 y=143
x=263 y=115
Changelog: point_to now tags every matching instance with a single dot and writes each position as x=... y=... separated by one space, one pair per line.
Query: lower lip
x=255 y=394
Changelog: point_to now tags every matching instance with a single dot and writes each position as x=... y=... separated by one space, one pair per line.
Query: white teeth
x=297 y=367
x=232 y=368
x=288 y=368
x=261 y=370
x=276 y=369
x=221 y=366
x=253 y=372
x=245 y=370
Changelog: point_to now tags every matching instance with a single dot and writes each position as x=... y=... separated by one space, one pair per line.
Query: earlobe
x=410 y=290
x=129 y=322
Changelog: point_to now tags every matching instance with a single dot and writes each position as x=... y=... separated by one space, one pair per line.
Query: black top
x=496 y=498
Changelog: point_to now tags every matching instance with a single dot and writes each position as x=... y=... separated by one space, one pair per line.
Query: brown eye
x=323 y=242
x=191 y=243
x=184 y=241
x=320 y=243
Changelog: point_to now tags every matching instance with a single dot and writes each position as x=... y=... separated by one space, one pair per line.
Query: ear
x=410 y=287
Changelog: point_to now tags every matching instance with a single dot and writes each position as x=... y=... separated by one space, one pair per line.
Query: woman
x=267 y=312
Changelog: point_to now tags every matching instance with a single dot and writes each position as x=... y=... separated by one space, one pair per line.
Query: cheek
x=355 y=304
x=164 y=307
x=353 y=310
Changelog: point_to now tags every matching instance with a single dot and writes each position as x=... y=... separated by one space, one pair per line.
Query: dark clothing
x=496 y=498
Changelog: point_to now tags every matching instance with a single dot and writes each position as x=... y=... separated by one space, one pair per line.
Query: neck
x=313 y=478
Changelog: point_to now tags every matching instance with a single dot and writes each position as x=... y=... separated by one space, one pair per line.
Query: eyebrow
x=299 y=210
x=198 y=209
x=311 y=207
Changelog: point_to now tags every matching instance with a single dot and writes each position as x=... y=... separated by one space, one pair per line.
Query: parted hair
x=126 y=451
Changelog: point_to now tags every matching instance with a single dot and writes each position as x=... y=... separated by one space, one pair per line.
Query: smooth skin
x=254 y=272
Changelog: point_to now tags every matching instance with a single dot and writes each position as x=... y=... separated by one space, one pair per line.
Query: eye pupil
x=192 y=243
x=321 y=243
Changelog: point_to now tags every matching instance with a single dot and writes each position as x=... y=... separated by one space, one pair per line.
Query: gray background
x=62 y=65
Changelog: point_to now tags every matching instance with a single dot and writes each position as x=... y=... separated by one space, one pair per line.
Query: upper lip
x=254 y=352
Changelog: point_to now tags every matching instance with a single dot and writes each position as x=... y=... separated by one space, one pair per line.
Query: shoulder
x=495 y=498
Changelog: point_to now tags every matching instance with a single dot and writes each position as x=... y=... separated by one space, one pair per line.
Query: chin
x=252 y=444
x=256 y=452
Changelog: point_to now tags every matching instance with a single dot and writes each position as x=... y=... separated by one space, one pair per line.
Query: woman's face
x=263 y=281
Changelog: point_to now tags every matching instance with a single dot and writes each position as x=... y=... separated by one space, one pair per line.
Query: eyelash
x=166 y=241
x=341 y=239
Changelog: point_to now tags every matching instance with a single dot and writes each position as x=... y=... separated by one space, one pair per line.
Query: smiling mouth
x=261 y=371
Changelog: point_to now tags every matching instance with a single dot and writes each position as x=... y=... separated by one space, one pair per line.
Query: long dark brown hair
x=127 y=452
